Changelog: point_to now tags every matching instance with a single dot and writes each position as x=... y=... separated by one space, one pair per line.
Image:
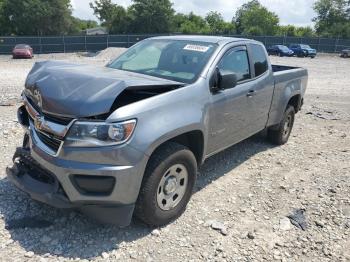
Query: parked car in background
x=22 y=51
x=345 y=53
x=280 y=50
x=302 y=50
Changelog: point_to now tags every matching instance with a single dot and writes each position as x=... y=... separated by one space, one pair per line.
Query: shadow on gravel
x=48 y=231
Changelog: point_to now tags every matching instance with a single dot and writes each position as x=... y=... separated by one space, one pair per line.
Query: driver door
x=229 y=111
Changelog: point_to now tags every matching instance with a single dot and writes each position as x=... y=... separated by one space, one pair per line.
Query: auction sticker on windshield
x=198 y=48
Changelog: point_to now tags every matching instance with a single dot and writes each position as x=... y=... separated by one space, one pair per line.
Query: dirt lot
x=245 y=192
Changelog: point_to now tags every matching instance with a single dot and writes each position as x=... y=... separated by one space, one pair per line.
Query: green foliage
x=150 y=16
x=193 y=24
x=333 y=18
x=37 y=17
x=291 y=30
x=218 y=25
x=54 y=17
x=104 y=10
x=254 y=19
x=113 y=17
x=143 y=16
x=79 y=25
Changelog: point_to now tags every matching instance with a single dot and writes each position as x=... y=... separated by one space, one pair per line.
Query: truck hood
x=72 y=90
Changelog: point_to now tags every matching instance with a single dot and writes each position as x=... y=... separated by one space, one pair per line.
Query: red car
x=22 y=51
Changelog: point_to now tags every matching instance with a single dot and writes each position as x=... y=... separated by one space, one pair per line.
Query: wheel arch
x=192 y=139
x=296 y=102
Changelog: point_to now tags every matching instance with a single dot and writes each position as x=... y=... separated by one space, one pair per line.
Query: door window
x=259 y=60
x=236 y=61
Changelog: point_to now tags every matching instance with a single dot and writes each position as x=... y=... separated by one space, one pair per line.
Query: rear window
x=259 y=60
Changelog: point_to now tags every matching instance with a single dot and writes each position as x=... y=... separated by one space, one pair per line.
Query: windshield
x=305 y=46
x=177 y=60
x=21 y=47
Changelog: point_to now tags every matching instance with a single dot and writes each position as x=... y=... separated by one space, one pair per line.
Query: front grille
x=58 y=119
x=34 y=105
x=50 y=142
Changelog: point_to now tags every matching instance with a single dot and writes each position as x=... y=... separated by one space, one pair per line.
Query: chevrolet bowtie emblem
x=38 y=98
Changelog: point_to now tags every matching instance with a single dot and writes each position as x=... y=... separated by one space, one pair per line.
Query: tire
x=280 y=54
x=156 y=206
x=279 y=134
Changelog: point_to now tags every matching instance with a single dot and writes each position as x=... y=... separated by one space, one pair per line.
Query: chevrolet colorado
x=128 y=138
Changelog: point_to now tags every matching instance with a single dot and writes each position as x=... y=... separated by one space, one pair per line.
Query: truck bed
x=288 y=73
x=288 y=81
x=278 y=68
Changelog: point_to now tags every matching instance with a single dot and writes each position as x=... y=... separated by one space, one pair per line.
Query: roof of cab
x=221 y=40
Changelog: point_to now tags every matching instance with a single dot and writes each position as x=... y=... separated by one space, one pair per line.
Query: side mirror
x=223 y=79
x=227 y=79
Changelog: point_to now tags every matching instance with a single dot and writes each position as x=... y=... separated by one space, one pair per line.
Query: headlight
x=91 y=134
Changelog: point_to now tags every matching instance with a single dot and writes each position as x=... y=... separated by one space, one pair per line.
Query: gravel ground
x=243 y=197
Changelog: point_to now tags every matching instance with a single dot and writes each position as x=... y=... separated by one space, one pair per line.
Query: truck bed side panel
x=288 y=83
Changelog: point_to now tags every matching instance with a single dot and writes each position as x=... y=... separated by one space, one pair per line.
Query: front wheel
x=167 y=185
x=279 y=134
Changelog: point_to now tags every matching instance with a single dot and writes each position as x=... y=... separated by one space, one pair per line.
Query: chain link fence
x=69 y=44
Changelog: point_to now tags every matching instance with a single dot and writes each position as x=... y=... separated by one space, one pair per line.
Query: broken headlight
x=92 y=134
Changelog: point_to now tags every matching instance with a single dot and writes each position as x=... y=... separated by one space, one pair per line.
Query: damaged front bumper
x=102 y=182
x=43 y=186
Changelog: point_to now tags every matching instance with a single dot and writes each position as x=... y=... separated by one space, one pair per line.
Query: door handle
x=251 y=93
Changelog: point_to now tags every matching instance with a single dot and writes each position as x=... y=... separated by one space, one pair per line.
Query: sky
x=296 y=12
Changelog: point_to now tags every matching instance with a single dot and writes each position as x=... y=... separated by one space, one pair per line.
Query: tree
x=194 y=24
x=333 y=18
x=254 y=19
x=36 y=17
x=79 y=25
x=114 y=17
x=305 y=32
x=218 y=25
x=2 y=19
x=150 y=16
x=104 y=10
x=291 y=30
x=143 y=16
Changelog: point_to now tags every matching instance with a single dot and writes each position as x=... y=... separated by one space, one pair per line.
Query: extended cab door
x=259 y=100
x=229 y=113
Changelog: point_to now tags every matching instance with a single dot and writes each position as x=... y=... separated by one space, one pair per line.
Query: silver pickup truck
x=128 y=138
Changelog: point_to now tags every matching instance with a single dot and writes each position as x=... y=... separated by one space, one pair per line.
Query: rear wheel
x=167 y=185
x=279 y=134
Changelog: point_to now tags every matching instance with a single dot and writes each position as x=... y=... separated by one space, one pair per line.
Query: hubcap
x=172 y=187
